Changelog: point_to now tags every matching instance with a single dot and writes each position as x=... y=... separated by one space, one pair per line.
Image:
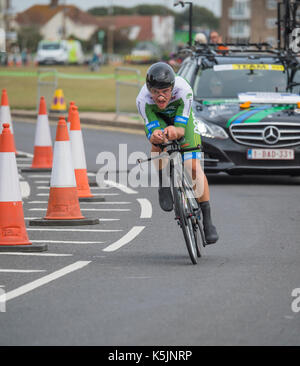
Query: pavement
x=101 y=119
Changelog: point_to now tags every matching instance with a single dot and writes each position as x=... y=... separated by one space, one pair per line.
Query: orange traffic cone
x=79 y=161
x=63 y=203
x=43 y=155
x=69 y=116
x=5 y=115
x=13 y=234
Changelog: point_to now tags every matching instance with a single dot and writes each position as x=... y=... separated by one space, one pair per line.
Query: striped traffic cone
x=79 y=161
x=69 y=115
x=63 y=203
x=13 y=234
x=43 y=155
x=5 y=115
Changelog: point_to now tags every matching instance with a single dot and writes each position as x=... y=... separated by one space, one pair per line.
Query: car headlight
x=210 y=130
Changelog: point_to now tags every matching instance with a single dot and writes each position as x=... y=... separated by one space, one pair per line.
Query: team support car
x=247 y=105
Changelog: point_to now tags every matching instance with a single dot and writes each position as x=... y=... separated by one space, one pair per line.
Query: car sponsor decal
x=254 y=115
x=219 y=101
x=249 y=67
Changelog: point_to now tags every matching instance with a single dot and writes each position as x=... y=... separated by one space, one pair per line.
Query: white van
x=59 y=52
x=52 y=52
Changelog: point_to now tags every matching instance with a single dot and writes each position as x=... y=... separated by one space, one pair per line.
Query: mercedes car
x=247 y=108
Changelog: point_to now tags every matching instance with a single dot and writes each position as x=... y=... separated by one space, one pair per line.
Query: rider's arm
x=184 y=107
x=151 y=120
x=174 y=133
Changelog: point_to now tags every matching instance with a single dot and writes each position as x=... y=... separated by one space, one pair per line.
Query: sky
x=21 y=5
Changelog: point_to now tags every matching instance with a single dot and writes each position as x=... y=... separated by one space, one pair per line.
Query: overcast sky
x=20 y=5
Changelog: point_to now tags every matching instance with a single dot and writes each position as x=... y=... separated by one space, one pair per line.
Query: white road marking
x=66 y=229
x=100 y=218
x=109 y=194
x=107 y=203
x=90 y=203
x=21 y=271
x=94 y=194
x=42 y=187
x=68 y=242
x=25 y=153
x=38 y=254
x=127 y=238
x=23 y=159
x=23 y=165
x=120 y=186
x=39 y=176
x=87 y=209
x=93 y=203
x=43 y=280
x=25 y=189
x=146 y=208
x=98 y=187
x=41 y=181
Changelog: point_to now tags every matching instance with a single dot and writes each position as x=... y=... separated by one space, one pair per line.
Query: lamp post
x=190 y=3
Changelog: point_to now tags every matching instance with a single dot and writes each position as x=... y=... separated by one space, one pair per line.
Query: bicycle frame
x=187 y=212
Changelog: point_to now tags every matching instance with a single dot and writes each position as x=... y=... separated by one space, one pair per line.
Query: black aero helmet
x=160 y=76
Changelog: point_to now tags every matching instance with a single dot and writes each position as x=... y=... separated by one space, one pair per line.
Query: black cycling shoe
x=210 y=231
x=165 y=198
x=211 y=235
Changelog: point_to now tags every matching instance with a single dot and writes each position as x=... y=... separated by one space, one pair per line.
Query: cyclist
x=165 y=104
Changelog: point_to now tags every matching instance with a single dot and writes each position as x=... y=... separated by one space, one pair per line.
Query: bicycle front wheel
x=184 y=214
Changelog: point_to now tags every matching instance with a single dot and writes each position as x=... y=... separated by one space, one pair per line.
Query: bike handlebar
x=176 y=148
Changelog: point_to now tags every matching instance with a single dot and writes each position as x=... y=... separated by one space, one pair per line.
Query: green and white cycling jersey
x=178 y=113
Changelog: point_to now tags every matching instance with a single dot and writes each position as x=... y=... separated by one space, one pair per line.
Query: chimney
x=53 y=3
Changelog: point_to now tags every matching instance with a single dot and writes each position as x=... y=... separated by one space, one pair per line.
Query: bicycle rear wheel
x=196 y=221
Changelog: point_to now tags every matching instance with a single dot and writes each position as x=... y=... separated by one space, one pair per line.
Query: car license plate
x=270 y=154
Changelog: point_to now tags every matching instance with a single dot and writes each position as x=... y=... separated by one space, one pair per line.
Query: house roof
x=41 y=14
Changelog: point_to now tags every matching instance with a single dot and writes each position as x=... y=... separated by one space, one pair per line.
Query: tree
x=29 y=37
x=116 y=10
x=136 y=10
x=202 y=17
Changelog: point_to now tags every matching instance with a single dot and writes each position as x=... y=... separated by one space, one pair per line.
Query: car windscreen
x=227 y=81
x=51 y=46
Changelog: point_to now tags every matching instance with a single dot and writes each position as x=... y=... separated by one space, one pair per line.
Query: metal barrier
x=46 y=85
x=127 y=88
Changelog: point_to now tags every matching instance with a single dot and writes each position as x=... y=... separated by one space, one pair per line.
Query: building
x=58 y=21
x=249 y=20
x=159 y=29
x=7 y=34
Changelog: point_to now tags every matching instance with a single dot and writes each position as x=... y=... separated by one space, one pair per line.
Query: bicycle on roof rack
x=187 y=212
x=212 y=53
